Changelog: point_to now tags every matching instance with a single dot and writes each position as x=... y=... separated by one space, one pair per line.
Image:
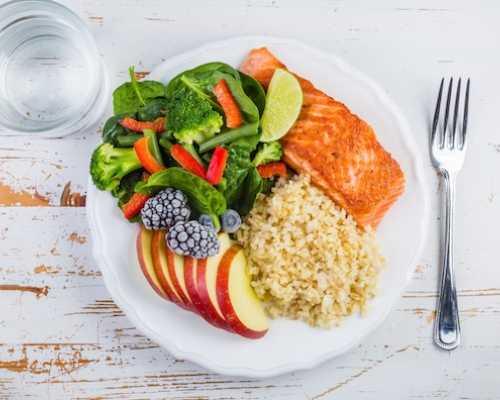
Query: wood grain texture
x=62 y=336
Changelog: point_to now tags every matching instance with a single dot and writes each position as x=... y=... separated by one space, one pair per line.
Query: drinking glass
x=52 y=79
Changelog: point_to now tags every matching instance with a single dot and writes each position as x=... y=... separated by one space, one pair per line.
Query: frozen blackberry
x=192 y=239
x=165 y=209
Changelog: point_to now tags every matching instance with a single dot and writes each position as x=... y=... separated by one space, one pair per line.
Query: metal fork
x=447 y=155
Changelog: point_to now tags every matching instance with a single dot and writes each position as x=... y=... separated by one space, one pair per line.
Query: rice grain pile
x=308 y=259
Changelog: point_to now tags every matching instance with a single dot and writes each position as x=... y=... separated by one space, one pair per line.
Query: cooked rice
x=308 y=259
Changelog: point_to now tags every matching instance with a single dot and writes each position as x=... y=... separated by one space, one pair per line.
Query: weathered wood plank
x=40 y=173
x=62 y=337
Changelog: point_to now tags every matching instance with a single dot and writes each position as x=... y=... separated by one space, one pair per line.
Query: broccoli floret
x=190 y=117
x=110 y=164
x=268 y=152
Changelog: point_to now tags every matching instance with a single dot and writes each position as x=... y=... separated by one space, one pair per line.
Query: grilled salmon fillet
x=337 y=149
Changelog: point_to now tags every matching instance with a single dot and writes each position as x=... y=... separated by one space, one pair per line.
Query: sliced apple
x=237 y=300
x=160 y=263
x=190 y=267
x=143 y=244
x=175 y=265
x=206 y=280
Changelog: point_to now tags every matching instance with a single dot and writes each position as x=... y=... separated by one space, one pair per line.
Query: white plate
x=289 y=345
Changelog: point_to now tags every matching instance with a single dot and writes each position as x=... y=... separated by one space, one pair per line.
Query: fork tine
x=466 y=113
x=436 y=112
x=446 y=114
x=454 y=143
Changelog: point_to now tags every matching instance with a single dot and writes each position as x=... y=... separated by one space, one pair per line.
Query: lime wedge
x=283 y=103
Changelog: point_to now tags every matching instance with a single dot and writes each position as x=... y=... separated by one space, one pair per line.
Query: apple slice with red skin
x=144 y=255
x=218 y=288
x=175 y=265
x=206 y=280
x=190 y=267
x=237 y=300
x=158 y=246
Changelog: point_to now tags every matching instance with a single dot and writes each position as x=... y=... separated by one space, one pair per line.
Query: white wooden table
x=61 y=335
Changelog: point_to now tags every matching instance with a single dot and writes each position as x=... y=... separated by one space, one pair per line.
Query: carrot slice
x=228 y=104
x=272 y=169
x=145 y=156
x=158 y=125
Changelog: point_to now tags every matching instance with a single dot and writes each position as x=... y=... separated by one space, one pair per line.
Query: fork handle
x=447 y=326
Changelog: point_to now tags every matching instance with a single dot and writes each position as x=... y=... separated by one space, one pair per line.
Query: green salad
x=199 y=136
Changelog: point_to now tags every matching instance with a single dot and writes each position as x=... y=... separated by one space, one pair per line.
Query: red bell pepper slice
x=217 y=165
x=228 y=104
x=145 y=156
x=132 y=207
x=187 y=161
x=158 y=125
x=272 y=169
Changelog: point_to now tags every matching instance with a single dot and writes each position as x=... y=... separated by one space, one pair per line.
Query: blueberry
x=206 y=220
x=231 y=221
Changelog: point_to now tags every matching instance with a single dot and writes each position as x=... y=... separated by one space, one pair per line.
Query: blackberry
x=192 y=239
x=165 y=209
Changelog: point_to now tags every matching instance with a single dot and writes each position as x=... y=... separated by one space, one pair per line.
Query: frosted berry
x=165 y=209
x=192 y=239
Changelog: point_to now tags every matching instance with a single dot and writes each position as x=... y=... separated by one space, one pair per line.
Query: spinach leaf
x=125 y=99
x=201 y=78
x=239 y=164
x=252 y=186
x=254 y=90
x=113 y=132
x=206 y=71
x=237 y=168
x=131 y=96
x=242 y=183
x=199 y=89
x=124 y=191
x=154 y=109
x=202 y=196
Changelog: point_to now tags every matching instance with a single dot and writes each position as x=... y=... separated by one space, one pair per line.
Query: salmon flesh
x=336 y=148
